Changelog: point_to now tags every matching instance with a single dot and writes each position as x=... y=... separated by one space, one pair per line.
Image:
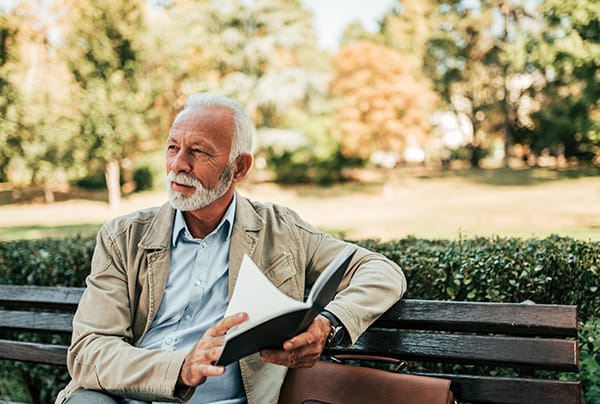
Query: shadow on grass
x=515 y=177
x=35 y=194
x=36 y=232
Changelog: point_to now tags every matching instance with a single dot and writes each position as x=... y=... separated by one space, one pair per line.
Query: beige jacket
x=128 y=278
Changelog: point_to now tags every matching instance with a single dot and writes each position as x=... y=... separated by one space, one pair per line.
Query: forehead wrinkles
x=204 y=119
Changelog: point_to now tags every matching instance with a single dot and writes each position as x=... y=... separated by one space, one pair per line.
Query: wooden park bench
x=529 y=345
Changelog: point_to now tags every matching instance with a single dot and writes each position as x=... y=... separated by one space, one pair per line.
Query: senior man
x=150 y=324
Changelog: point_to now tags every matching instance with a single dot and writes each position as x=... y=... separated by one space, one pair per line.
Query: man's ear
x=242 y=165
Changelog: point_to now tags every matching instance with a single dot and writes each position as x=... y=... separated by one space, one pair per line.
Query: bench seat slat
x=487 y=389
x=516 y=319
x=40 y=296
x=530 y=353
x=33 y=352
x=36 y=321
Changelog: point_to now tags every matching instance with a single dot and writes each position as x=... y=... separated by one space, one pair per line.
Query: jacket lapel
x=244 y=237
x=157 y=243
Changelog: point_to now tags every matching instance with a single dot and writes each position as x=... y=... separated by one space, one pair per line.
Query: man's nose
x=181 y=162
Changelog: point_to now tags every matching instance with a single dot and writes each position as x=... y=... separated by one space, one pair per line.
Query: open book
x=274 y=317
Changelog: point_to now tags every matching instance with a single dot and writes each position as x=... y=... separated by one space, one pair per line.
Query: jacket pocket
x=282 y=273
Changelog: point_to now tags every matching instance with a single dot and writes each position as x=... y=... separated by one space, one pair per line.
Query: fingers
x=303 y=350
x=220 y=328
x=199 y=362
x=195 y=373
x=316 y=333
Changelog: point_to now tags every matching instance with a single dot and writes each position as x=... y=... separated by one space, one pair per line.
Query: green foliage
x=554 y=270
x=9 y=101
x=589 y=359
x=143 y=178
x=92 y=182
x=53 y=262
x=568 y=54
x=302 y=166
x=35 y=384
x=154 y=162
x=104 y=53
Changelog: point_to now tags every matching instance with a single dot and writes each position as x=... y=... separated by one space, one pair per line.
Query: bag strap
x=344 y=358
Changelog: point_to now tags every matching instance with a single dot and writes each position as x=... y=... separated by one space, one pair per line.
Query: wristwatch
x=337 y=333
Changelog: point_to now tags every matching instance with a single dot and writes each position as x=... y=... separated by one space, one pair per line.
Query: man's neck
x=203 y=221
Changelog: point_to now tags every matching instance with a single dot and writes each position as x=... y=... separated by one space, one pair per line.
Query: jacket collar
x=158 y=235
x=247 y=219
x=247 y=223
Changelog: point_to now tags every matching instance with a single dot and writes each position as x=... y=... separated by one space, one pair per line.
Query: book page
x=257 y=296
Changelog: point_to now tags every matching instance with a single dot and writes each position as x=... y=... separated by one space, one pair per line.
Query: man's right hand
x=199 y=362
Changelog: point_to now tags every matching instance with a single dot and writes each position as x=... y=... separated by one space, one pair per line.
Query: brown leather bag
x=336 y=383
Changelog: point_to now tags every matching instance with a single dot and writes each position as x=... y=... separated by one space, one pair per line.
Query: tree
x=475 y=51
x=47 y=128
x=9 y=99
x=104 y=52
x=408 y=28
x=567 y=53
x=262 y=53
x=382 y=105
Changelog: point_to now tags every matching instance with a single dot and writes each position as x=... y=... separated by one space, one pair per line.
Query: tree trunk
x=48 y=194
x=505 y=107
x=112 y=174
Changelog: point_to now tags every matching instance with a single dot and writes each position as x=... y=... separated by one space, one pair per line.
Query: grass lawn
x=385 y=205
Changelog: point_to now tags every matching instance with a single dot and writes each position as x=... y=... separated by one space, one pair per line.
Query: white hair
x=243 y=127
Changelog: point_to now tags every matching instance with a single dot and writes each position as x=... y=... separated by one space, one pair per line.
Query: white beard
x=202 y=197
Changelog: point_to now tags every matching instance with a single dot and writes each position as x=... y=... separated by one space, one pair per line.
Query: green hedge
x=553 y=270
x=46 y=262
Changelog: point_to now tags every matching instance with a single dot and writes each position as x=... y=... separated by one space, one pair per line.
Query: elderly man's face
x=198 y=150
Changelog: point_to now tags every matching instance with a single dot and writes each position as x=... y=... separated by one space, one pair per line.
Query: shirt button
x=188 y=316
x=169 y=341
x=198 y=282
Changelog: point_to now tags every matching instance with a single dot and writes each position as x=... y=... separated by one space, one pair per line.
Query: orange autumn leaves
x=382 y=103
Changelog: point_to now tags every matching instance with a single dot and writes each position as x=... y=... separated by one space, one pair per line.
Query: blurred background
x=382 y=119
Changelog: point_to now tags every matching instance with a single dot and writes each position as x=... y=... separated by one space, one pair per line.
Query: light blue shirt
x=195 y=299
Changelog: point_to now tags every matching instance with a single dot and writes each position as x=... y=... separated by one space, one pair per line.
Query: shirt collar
x=179 y=225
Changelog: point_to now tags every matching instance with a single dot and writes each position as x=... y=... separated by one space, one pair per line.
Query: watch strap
x=337 y=333
x=333 y=320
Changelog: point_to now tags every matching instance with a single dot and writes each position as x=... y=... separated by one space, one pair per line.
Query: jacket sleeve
x=371 y=285
x=101 y=355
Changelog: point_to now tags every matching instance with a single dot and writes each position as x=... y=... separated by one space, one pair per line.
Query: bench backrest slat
x=521 y=352
x=33 y=352
x=515 y=319
x=40 y=296
x=36 y=321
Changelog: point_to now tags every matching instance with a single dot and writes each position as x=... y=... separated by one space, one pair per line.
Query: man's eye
x=171 y=147
x=198 y=151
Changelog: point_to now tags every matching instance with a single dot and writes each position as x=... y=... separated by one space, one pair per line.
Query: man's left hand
x=302 y=351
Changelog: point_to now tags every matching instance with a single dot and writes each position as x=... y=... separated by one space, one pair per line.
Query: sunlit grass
x=527 y=203
x=36 y=232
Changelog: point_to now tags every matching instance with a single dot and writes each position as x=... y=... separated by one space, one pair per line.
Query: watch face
x=336 y=336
